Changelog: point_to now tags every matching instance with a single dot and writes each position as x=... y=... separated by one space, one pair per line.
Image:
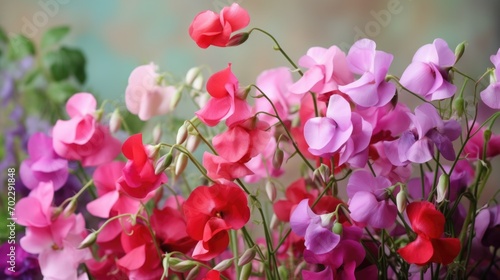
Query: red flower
x=209 y=28
x=139 y=178
x=210 y=212
x=429 y=246
x=212 y=275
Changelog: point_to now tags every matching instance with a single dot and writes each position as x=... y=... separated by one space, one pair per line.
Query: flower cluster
x=265 y=201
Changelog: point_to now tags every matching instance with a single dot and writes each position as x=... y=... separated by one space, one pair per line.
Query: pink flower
x=220 y=168
x=327 y=69
x=427 y=75
x=43 y=164
x=226 y=102
x=145 y=95
x=262 y=165
x=491 y=95
x=370 y=89
x=209 y=28
x=82 y=137
x=474 y=147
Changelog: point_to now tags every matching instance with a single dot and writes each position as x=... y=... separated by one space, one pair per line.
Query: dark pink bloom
x=220 y=168
x=474 y=147
x=427 y=75
x=82 y=137
x=209 y=28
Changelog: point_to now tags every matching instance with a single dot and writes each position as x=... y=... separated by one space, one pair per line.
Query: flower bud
x=176 y=98
x=198 y=83
x=223 y=265
x=459 y=106
x=153 y=151
x=337 y=228
x=163 y=163
x=88 y=241
x=157 y=134
x=182 y=134
x=70 y=209
x=278 y=158
x=192 y=74
x=459 y=51
x=442 y=187
x=193 y=273
x=181 y=266
x=247 y=257
x=180 y=164
x=401 y=201
x=271 y=191
x=193 y=141
x=274 y=222
x=487 y=135
x=237 y=39
x=283 y=272
x=246 y=271
x=115 y=121
x=322 y=173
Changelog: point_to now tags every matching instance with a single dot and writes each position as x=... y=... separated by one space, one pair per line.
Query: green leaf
x=77 y=63
x=61 y=91
x=53 y=36
x=20 y=46
x=31 y=76
x=57 y=64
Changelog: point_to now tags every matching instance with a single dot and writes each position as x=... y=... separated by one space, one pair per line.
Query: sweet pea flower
x=491 y=95
x=26 y=264
x=370 y=89
x=43 y=164
x=369 y=202
x=427 y=75
x=212 y=211
x=209 y=28
x=487 y=227
x=82 y=137
x=428 y=129
x=327 y=69
x=474 y=147
x=145 y=95
x=262 y=164
x=316 y=229
x=220 y=168
x=429 y=246
x=226 y=102
x=139 y=179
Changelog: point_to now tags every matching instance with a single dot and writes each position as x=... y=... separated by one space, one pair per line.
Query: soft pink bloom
x=82 y=137
x=111 y=199
x=209 y=28
x=226 y=102
x=145 y=95
x=275 y=84
x=327 y=69
x=474 y=147
x=427 y=75
x=220 y=168
x=491 y=95
x=383 y=166
x=369 y=202
x=370 y=89
x=43 y=164
x=262 y=164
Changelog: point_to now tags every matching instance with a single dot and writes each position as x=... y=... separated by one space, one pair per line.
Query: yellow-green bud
x=88 y=241
x=442 y=187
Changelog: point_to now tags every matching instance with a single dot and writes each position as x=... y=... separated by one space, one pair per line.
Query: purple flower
x=487 y=227
x=43 y=164
x=491 y=95
x=316 y=229
x=369 y=203
x=427 y=75
x=428 y=129
x=25 y=265
x=370 y=89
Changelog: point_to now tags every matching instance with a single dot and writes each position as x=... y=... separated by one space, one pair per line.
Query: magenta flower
x=491 y=95
x=369 y=202
x=327 y=69
x=428 y=129
x=43 y=164
x=370 y=89
x=487 y=227
x=316 y=229
x=427 y=75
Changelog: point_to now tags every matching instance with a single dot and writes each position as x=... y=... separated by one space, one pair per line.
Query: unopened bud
x=192 y=74
x=237 y=39
x=459 y=51
x=198 y=83
x=182 y=134
x=278 y=158
x=193 y=141
x=246 y=271
x=487 y=135
x=88 y=241
x=157 y=134
x=459 y=106
x=223 y=265
x=271 y=191
x=176 y=98
x=193 y=273
x=163 y=163
x=322 y=173
x=115 y=121
x=283 y=272
x=442 y=187
x=274 y=222
x=401 y=200
x=181 y=266
x=338 y=228
x=180 y=164
x=152 y=150
x=247 y=257
x=70 y=209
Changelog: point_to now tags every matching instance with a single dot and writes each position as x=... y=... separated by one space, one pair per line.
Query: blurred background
x=117 y=36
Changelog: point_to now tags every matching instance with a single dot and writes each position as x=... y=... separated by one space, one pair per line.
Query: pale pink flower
x=491 y=95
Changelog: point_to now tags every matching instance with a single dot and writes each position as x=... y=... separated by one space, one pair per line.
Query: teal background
x=117 y=36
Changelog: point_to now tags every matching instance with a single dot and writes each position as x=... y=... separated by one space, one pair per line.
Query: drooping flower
x=370 y=89
x=139 y=178
x=82 y=137
x=146 y=96
x=427 y=75
x=429 y=246
x=327 y=69
x=211 y=29
x=491 y=95
x=212 y=211
x=43 y=164
x=369 y=202
x=226 y=102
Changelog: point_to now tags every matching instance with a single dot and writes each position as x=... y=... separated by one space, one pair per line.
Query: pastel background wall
x=118 y=35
